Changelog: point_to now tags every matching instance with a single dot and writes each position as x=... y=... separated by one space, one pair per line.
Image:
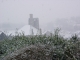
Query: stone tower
x=33 y=21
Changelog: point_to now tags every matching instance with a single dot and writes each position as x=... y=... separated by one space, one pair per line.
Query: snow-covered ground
x=29 y=30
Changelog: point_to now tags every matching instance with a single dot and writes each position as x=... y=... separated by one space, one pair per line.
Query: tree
x=3 y=36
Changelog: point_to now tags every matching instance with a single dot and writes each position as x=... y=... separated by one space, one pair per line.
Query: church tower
x=33 y=21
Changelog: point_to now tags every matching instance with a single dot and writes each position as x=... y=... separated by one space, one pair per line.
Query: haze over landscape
x=39 y=29
x=64 y=14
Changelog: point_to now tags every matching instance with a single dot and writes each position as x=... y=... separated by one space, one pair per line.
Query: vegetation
x=62 y=49
x=3 y=36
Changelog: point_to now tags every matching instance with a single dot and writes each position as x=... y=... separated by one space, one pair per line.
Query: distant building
x=31 y=29
x=33 y=21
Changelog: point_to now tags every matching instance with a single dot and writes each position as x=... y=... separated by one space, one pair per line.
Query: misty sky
x=51 y=13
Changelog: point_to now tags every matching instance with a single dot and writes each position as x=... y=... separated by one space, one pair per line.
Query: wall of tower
x=36 y=23
x=33 y=21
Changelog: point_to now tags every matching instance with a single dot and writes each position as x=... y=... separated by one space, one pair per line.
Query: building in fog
x=33 y=21
x=31 y=29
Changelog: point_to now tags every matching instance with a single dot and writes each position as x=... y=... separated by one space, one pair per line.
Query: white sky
x=15 y=13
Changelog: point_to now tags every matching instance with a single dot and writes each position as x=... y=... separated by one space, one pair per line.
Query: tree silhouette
x=3 y=36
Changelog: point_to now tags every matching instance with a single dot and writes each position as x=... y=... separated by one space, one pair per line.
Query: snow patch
x=27 y=30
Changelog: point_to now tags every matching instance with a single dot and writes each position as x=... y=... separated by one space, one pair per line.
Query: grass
x=63 y=49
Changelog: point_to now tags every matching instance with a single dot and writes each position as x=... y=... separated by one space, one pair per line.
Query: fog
x=64 y=14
